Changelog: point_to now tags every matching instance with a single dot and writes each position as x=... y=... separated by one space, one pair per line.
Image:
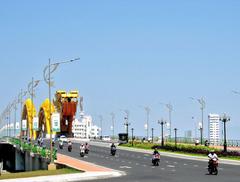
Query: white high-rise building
x=214 y=129
x=84 y=128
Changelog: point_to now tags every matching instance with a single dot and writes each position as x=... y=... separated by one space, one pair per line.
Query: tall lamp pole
x=202 y=103
x=132 y=136
x=126 y=122
x=101 y=120
x=20 y=100
x=162 y=122
x=113 y=123
x=225 y=119
x=33 y=84
x=152 y=134
x=175 y=131
x=48 y=70
x=147 y=109
x=169 y=106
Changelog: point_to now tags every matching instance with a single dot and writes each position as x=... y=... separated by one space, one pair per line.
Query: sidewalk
x=91 y=172
x=80 y=165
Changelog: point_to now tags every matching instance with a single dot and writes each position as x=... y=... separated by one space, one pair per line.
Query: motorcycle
x=82 y=152
x=213 y=167
x=69 y=148
x=86 y=150
x=156 y=159
x=113 y=151
x=61 y=145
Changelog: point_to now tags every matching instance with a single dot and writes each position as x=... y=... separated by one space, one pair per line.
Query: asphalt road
x=138 y=167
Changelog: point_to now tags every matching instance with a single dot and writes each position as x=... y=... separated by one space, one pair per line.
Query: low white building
x=214 y=129
x=84 y=128
x=95 y=131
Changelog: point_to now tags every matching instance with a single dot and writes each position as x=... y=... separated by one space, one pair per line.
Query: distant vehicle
x=106 y=138
x=122 y=138
x=63 y=138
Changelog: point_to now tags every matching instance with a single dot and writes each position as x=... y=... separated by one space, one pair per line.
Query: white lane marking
x=220 y=169
x=195 y=166
x=144 y=165
x=173 y=170
x=137 y=164
x=125 y=167
x=185 y=164
x=162 y=168
x=139 y=157
x=129 y=162
x=175 y=162
x=167 y=162
x=170 y=166
x=122 y=161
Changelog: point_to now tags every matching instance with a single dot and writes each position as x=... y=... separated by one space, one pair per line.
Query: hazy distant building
x=214 y=129
x=188 y=134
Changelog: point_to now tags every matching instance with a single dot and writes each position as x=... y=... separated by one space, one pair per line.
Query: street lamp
x=152 y=134
x=48 y=70
x=146 y=126
x=162 y=122
x=126 y=121
x=113 y=123
x=132 y=136
x=101 y=120
x=225 y=119
x=169 y=106
x=33 y=84
x=202 y=102
x=20 y=100
x=175 y=131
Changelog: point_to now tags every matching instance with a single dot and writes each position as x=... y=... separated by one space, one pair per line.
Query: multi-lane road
x=138 y=167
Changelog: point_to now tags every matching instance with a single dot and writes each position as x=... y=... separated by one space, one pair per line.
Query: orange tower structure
x=66 y=104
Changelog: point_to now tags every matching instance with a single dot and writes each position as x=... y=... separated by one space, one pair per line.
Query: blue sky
x=132 y=53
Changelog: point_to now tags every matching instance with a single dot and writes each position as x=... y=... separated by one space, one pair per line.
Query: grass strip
x=149 y=147
x=39 y=173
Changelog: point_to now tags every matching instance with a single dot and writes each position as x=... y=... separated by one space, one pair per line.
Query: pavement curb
x=86 y=176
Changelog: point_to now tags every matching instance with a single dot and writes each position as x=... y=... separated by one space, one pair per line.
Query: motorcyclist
x=60 y=144
x=155 y=157
x=212 y=156
x=86 y=146
x=69 y=143
x=155 y=151
x=113 y=146
x=82 y=148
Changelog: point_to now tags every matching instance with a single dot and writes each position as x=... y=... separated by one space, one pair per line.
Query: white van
x=106 y=138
